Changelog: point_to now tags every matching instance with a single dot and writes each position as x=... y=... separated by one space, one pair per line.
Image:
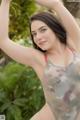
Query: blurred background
x=21 y=93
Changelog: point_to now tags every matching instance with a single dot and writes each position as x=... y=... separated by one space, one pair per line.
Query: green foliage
x=21 y=93
x=20 y=11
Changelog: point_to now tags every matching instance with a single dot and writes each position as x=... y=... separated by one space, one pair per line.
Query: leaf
x=5 y=106
x=11 y=75
x=20 y=102
x=15 y=112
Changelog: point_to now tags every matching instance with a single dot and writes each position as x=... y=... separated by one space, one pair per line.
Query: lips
x=42 y=42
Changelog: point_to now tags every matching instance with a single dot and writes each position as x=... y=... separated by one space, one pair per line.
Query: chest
x=60 y=80
x=62 y=88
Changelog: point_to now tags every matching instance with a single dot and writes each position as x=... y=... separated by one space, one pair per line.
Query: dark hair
x=53 y=23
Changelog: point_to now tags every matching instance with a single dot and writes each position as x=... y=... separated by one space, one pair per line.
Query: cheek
x=51 y=34
x=34 y=40
x=36 y=43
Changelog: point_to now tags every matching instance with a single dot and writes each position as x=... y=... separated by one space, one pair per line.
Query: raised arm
x=4 y=19
x=17 y=52
x=67 y=20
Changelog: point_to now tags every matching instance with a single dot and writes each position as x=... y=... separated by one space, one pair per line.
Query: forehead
x=36 y=24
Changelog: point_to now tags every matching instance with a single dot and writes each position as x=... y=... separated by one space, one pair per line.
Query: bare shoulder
x=38 y=58
x=39 y=63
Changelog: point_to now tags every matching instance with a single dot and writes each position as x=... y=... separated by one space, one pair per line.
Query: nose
x=38 y=37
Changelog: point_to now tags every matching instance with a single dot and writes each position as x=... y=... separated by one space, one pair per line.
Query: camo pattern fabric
x=62 y=89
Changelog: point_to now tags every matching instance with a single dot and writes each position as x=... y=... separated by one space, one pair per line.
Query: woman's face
x=43 y=36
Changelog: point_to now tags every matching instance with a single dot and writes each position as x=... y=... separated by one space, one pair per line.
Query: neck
x=59 y=49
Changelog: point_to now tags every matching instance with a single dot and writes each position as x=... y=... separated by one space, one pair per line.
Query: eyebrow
x=40 y=28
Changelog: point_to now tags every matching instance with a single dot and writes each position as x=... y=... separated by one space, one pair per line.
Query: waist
x=63 y=108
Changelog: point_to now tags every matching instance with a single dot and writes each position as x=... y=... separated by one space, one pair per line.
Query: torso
x=61 y=87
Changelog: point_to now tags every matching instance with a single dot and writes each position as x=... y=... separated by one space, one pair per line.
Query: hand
x=6 y=1
x=48 y=3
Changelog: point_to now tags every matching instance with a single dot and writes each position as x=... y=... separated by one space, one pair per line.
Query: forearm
x=66 y=18
x=4 y=19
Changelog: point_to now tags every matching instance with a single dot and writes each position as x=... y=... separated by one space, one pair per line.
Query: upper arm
x=72 y=27
x=69 y=23
x=72 y=44
x=19 y=53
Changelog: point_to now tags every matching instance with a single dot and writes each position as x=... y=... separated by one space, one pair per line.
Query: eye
x=43 y=30
x=34 y=34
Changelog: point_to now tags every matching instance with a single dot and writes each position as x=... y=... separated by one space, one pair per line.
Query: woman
x=55 y=58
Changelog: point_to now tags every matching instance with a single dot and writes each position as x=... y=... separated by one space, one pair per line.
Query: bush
x=21 y=94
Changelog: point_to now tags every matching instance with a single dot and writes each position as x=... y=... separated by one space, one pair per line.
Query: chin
x=44 y=49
